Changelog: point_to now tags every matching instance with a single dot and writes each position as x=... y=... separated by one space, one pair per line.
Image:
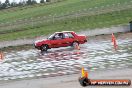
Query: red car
x=60 y=39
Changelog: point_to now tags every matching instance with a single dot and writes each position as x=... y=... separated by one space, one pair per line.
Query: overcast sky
x=16 y=0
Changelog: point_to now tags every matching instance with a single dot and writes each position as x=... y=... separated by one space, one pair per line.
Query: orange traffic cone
x=112 y=37
x=77 y=47
x=1 y=56
x=84 y=80
x=113 y=40
x=84 y=73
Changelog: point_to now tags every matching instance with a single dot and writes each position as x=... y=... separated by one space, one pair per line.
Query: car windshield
x=51 y=36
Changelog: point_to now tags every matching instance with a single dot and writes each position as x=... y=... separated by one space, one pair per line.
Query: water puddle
x=94 y=55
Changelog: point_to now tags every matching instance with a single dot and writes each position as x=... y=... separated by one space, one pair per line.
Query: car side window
x=58 y=36
x=70 y=35
x=66 y=35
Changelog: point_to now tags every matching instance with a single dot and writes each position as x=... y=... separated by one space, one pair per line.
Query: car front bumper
x=38 y=47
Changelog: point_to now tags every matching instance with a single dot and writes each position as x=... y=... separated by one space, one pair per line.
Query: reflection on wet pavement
x=93 y=55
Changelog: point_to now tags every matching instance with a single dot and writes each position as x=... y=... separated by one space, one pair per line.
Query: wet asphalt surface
x=97 y=54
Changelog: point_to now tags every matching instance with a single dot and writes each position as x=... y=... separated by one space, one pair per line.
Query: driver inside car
x=59 y=36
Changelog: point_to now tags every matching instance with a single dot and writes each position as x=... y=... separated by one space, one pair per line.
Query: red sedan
x=60 y=39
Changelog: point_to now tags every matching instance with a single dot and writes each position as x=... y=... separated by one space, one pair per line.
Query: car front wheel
x=44 y=47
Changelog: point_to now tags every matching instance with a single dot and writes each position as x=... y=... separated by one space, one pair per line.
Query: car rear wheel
x=74 y=44
x=44 y=47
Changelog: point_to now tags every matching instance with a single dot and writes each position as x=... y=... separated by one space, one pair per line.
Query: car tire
x=74 y=44
x=44 y=48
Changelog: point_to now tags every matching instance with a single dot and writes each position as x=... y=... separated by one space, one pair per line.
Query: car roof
x=64 y=31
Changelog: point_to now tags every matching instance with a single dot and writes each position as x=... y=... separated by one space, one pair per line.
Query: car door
x=67 y=39
x=56 y=41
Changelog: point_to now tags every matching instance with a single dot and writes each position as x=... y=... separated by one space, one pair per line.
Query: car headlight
x=34 y=44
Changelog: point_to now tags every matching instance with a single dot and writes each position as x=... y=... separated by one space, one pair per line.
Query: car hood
x=40 y=40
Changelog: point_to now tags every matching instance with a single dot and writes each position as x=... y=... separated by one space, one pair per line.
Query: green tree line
x=8 y=4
